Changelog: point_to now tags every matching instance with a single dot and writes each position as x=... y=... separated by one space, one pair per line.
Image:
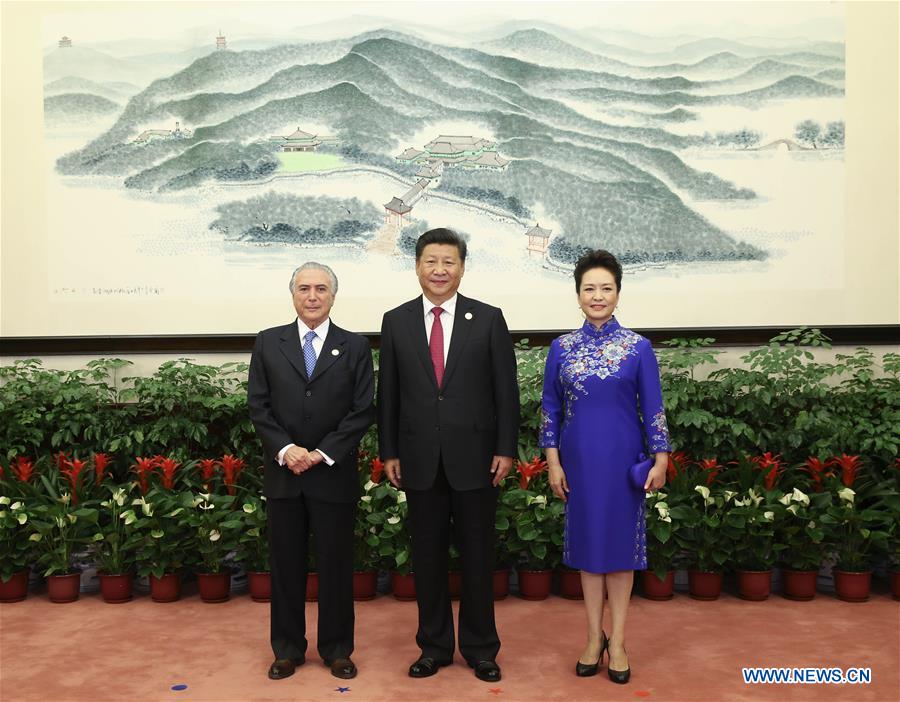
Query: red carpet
x=680 y=651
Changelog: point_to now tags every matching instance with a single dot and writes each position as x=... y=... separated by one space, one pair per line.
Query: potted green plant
x=368 y=532
x=59 y=528
x=164 y=542
x=855 y=533
x=702 y=538
x=115 y=545
x=394 y=546
x=504 y=556
x=253 y=551
x=16 y=548
x=802 y=533
x=662 y=546
x=213 y=529
x=751 y=519
x=536 y=534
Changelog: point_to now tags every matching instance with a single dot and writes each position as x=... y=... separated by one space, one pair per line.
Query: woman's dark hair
x=441 y=235
x=597 y=259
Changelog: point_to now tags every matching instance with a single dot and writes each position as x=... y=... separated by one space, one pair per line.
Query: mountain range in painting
x=588 y=125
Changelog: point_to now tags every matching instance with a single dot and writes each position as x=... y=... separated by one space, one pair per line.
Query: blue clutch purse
x=639 y=471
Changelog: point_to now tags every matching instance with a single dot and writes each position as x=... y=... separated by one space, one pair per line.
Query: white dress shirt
x=447 y=317
x=318 y=341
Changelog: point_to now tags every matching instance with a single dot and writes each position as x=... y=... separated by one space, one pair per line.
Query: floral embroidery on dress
x=594 y=352
x=658 y=439
x=640 y=541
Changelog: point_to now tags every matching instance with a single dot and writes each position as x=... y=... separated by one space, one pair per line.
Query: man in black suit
x=310 y=394
x=448 y=416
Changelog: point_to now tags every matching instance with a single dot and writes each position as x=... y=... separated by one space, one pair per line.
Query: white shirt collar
x=449 y=306
x=321 y=330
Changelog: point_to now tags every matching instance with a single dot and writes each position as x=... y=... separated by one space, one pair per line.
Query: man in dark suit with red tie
x=448 y=416
x=310 y=394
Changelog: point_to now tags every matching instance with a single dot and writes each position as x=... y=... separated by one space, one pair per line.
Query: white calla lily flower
x=799 y=496
x=847 y=495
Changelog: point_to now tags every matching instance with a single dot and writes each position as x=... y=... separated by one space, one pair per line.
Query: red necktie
x=436 y=345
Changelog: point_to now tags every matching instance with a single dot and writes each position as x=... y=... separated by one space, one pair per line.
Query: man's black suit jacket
x=473 y=416
x=330 y=411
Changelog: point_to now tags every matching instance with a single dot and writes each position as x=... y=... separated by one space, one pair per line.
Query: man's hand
x=500 y=467
x=392 y=470
x=296 y=458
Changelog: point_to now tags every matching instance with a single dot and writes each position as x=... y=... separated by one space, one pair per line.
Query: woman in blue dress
x=601 y=409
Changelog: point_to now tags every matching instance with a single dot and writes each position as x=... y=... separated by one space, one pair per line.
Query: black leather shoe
x=284 y=667
x=342 y=668
x=426 y=667
x=488 y=671
x=619 y=676
x=586 y=670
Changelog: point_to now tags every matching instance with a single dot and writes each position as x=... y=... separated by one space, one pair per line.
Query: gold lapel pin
x=468 y=315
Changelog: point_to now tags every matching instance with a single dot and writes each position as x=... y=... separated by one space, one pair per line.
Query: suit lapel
x=333 y=348
x=416 y=324
x=290 y=347
x=462 y=325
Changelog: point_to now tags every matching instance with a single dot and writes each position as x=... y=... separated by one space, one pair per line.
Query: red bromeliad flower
x=2 y=472
x=101 y=463
x=143 y=467
x=207 y=468
x=849 y=465
x=72 y=470
x=377 y=469
x=61 y=460
x=231 y=468
x=167 y=468
x=711 y=467
x=818 y=471
x=677 y=461
x=23 y=468
x=527 y=471
x=771 y=465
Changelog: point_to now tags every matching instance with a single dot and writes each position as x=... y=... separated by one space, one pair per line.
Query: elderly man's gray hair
x=312 y=265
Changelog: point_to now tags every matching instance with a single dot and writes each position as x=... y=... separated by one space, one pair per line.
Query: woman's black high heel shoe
x=618 y=676
x=586 y=670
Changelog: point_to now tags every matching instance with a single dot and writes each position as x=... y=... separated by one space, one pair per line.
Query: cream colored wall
x=146 y=364
x=867 y=294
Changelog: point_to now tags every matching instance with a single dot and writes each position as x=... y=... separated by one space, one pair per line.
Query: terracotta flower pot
x=570 y=584
x=799 y=584
x=403 y=586
x=365 y=585
x=852 y=587
x=501 y=584
x=703 y=585
x=895 y=584
x=64 y=588
x=214 y=587
x=454 y=583
x=312 y=587
x=534 y=584
x=656 y=589
x=116 y=588
x=260 y=585
x=16 y=588
x=754 y=585
x=165 y=589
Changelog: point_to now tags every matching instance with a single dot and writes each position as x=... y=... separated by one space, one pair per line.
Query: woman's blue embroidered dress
x=602 y=407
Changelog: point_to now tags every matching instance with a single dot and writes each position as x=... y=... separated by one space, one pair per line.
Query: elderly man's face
x=313 y=296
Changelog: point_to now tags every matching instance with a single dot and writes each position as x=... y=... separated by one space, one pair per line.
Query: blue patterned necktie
x=309 y=353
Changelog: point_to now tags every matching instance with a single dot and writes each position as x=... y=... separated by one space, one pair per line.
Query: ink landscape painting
x=214 y=152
